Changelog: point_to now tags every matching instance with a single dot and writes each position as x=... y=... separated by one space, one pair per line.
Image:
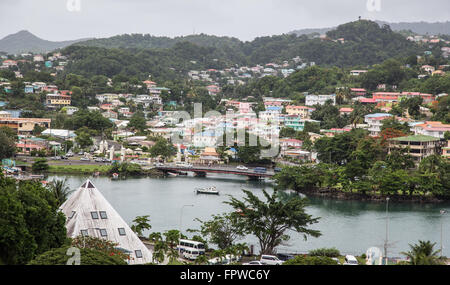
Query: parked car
x=81 y=153
x=98 y=159
x=106 y=160
x=85 y=159
x=337 y=260
x=270 y=260
x=260 y=170
x=184 y=164
x=284 y=256
x=228 y=259
x=64 y=157
x=69 y=154
x=56 y=157
x=350 y=260
x=255 y=262
x=277 y=169
x=241 y=167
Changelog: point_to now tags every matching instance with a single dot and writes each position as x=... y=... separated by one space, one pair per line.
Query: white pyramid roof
x=87 y=201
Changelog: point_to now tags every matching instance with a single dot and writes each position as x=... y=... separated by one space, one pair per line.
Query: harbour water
x=350 y=226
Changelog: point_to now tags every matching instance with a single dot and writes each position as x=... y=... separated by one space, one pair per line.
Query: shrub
x=328 y=252
x=310 y=260
x=59 y=256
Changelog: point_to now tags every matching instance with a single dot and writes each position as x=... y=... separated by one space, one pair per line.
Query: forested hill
x=25 y=41
x=365 y=43
x=421 y=28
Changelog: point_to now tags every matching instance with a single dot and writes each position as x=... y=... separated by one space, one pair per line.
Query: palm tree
x=60 y=190
x=423 y=254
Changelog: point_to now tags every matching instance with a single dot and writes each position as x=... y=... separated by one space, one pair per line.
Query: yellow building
x=24 y=125
x=58 y=100
x=302 y=111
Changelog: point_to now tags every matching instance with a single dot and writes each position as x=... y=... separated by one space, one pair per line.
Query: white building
x=312 y=100
x=375 y=121
x=90 y=214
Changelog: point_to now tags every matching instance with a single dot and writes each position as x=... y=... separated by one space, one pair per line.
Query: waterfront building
x=90 y=214
x=418 y=146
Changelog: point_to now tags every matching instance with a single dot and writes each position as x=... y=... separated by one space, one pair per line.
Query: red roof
x=367 y=100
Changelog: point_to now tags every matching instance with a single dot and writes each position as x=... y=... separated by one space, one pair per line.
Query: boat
x=115 y=176
x=207 y=190
x=172 y=174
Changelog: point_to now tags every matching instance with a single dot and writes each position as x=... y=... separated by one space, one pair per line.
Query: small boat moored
x=207 y=190
x=115 y=176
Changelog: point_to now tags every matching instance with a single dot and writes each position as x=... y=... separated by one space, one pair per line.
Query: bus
x=190 y=249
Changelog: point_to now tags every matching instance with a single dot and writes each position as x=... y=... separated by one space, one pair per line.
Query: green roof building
x=418 y=146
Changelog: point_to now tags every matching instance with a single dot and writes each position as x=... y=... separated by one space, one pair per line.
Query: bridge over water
x=203 y=170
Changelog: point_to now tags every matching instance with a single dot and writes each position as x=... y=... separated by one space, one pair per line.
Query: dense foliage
x=269 y=220
x=58 y=256
x=31 y=222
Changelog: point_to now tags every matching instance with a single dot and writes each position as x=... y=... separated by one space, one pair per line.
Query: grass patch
x=78 y=169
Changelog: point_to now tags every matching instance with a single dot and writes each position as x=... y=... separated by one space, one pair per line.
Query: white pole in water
x=442 y=212
x=181 y=216
x=387 y=232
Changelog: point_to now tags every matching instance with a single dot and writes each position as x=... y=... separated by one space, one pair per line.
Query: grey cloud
x=244 y=19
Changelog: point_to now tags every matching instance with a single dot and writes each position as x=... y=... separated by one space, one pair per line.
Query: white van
x=270 y=260
x=184 y=164
x=350 y=260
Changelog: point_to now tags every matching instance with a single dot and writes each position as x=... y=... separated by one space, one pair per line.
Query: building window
x=103 y=215
x=138 y=253
x=103 y=232
x=121 y=231
x=84 y=233
x=94 y=215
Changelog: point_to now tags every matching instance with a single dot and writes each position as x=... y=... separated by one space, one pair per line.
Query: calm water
x=350 y=226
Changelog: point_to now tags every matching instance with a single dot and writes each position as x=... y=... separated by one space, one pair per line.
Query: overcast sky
x=244 y=19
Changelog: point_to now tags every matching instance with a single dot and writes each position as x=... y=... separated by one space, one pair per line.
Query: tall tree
x=222 y=230
x=269 y=220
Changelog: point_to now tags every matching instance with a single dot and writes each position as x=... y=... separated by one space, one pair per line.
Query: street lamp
x=181 y=217
x=442 y=212
x=387 y=232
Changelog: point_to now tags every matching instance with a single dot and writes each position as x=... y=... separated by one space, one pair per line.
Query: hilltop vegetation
x=365 y=43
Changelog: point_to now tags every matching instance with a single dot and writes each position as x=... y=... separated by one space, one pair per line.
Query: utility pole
x=387 y=232
x=442 y=212
x=181 y=217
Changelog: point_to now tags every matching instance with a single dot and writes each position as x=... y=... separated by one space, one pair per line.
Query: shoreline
x=345 y=196
x=329 y=193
